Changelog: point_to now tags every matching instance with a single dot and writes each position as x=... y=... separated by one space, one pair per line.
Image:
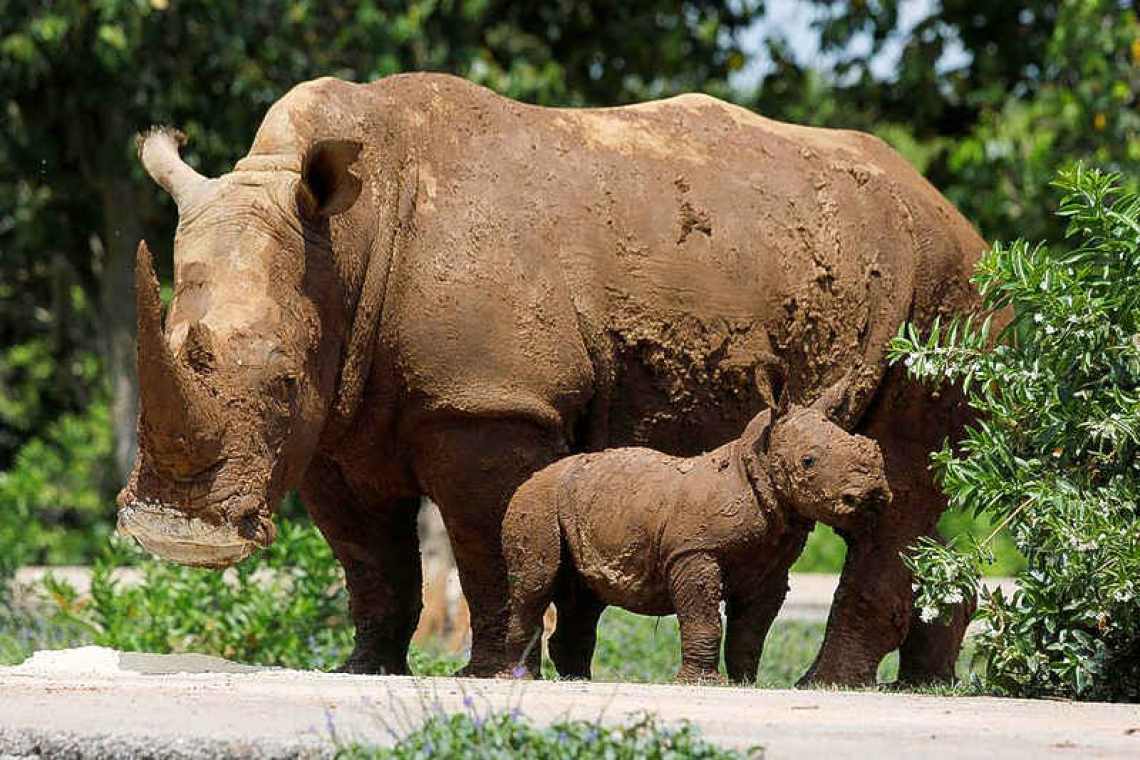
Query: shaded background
x=988 y=100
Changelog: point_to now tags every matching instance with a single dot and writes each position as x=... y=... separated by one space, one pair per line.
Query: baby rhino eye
x=808 y=462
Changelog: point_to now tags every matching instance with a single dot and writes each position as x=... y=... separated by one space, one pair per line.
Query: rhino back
x=637 y=260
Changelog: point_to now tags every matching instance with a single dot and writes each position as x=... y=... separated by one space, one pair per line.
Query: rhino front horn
x=178 y=416
x=158 y=151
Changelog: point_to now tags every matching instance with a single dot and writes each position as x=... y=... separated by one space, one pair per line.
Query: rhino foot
x=479 y=670
x=373 y=666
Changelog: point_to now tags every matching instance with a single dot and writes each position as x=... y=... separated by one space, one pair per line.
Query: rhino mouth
x=872 y=501
x=185 y=539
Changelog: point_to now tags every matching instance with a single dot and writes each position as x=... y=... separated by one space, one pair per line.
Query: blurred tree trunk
x=435 y=546
x=122 y=230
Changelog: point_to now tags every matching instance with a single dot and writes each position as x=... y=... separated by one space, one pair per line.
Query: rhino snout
x=188 y=539
x=872 y=500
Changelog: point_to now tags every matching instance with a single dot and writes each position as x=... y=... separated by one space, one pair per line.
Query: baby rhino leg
x=696 y=589
x=532 y=548
x=750 y=615
x=575 y=636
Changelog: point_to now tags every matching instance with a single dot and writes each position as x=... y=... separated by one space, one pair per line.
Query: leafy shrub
x=286 y=605
x=53 y=504
x=1055 y=453
x=465 y=735
x=24 y=631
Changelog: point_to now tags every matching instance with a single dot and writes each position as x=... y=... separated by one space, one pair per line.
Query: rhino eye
x=283 y=388
x=808 y=462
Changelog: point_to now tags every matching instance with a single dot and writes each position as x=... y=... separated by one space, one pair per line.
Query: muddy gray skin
x=657 y=534
x=416 y=286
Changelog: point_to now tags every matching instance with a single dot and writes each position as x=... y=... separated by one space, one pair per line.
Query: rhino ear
x=758 y=433
x=330 y=188
x=771 y=375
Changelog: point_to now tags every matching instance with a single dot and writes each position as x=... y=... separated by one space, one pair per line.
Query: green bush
x=466 y=735
x=286 y=605
x=53 y=508
x=1055 y=454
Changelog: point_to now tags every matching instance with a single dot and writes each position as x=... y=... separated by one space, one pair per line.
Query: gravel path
x=97 y=703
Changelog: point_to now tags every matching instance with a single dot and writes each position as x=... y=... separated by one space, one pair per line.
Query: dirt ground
x=103 y=704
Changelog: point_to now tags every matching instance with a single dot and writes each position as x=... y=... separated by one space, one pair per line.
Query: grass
x=638 y=649
x=631 y=648
x=508 y=735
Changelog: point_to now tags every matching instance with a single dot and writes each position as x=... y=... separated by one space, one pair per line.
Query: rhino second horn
x=178 y=415
x=158 y=151
x=198 y=348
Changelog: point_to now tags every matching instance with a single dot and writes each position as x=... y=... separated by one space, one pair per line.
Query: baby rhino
x=657 y=534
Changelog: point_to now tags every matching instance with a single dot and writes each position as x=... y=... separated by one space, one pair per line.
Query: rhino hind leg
x=929 y=653
x=377 y=545
x=532 y=548
x=470 y=468
x=576 y=634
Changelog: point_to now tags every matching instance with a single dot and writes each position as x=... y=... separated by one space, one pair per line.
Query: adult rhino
x=416 y=286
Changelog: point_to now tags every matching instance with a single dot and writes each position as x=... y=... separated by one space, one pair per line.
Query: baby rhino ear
x=758 y=433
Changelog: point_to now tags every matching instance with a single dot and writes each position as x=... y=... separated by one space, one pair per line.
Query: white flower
x=928 y=614
x=1049 y=329
x=1081 y=546
x=953 y=597
x=1038 y=318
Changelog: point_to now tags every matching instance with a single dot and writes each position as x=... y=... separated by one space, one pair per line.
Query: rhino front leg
x=376 y=542
x=874 y=607
x=470 y=469
x=696 y=588
x=869 y=616
x=873 y=614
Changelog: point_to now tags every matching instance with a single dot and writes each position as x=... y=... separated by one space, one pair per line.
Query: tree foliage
x=1030 y=88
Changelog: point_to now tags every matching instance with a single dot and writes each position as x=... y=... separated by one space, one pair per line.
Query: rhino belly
x=612 y=525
